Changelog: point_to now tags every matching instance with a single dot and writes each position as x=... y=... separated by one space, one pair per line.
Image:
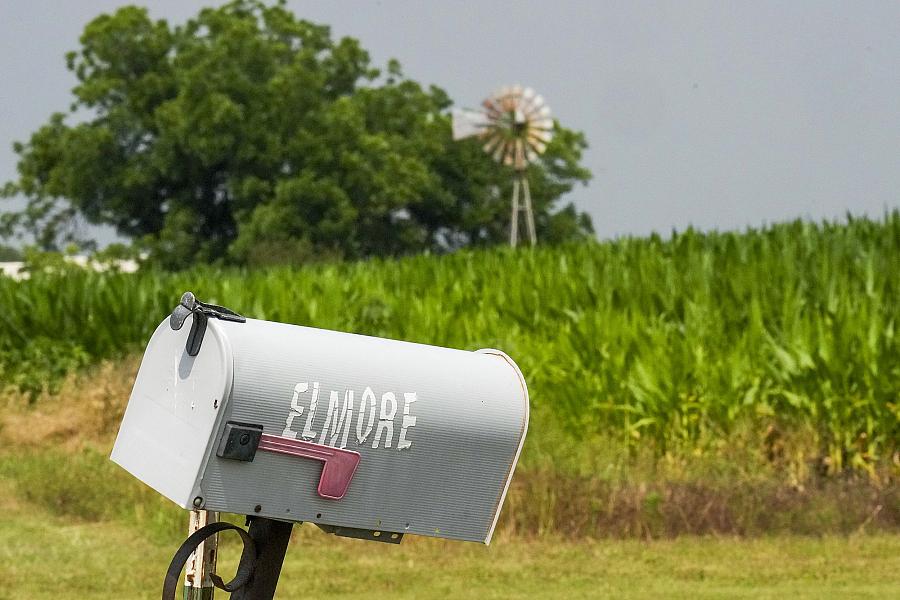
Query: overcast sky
x=717 y=114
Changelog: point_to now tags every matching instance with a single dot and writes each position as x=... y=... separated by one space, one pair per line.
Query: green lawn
x=46 y=557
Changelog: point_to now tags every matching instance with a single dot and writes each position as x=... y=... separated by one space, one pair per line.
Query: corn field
x=656 y=342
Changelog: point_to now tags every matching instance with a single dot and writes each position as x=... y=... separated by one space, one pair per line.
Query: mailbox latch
x=189 y=305
x=239 y=441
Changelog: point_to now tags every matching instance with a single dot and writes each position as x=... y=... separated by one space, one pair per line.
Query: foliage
x=660 y=343
x=40 y=364
x=251 y=136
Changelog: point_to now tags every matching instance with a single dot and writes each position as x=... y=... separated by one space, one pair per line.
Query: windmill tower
x=516 y=127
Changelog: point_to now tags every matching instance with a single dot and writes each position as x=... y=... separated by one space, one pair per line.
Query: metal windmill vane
x=516 y=127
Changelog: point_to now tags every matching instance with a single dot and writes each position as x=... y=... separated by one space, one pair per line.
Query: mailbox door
x=173 y=414
x=438 y=431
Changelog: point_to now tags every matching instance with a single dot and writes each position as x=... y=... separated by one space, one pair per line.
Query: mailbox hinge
x=189 y=305
x=373 y=535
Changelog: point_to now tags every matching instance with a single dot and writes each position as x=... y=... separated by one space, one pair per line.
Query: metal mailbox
x=366 y=437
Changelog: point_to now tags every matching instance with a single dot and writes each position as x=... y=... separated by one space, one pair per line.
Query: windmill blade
x=501 y=97
x=541 y=125
x=535 y=113
x=515 y=96
x=467 y=123
x=491 y=107
x=508 y=100
x=536 y=105
x=529 y=108
x=500 y=152
x=531 y=102
x=538 y=147
x=540 y=136
x=492 y=143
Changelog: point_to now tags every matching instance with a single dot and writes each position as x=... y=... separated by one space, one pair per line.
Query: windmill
x=516 y=127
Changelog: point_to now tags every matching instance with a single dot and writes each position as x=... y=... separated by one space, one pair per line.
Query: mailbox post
x=364 y=437
x=198 y=584
x=271 y=539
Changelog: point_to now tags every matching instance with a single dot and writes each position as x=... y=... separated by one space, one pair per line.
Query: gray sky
x=717 y=114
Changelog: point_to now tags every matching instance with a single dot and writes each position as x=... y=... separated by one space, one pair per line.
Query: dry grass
x=109 y=560
x=547 y=502
x=87 y=408
x=741 y=490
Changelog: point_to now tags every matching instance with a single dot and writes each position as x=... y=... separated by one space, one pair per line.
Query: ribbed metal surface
x=471 y=412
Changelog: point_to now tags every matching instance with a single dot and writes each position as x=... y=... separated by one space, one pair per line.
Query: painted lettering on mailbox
x=339 y=417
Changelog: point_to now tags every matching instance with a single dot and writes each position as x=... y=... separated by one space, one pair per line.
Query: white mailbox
x=365 y=437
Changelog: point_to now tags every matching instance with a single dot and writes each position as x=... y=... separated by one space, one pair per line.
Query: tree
x=249 y=135
x=9 y=254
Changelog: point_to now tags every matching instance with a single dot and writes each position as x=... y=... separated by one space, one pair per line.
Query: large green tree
x=249 y=135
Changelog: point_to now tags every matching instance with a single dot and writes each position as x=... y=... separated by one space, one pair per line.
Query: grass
x=48 y=557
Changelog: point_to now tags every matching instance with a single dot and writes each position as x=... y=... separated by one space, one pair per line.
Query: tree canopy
x=249 y=135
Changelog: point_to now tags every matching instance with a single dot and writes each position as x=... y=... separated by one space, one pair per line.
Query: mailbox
x=363 y=436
